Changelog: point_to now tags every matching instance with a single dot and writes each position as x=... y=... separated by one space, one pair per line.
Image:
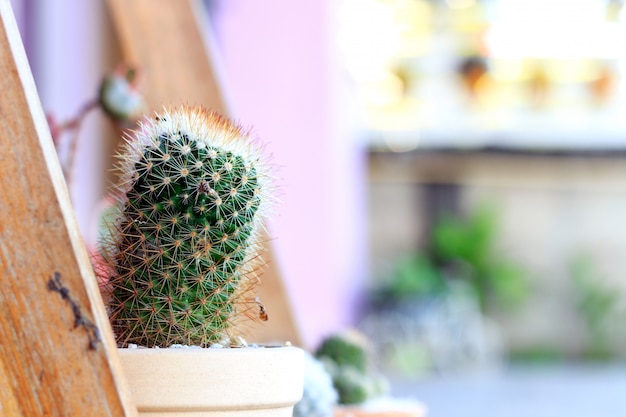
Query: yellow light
x=384 y=91
x=460 y=4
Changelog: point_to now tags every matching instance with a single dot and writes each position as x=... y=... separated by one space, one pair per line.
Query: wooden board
x=57 y=353
x=163 y=39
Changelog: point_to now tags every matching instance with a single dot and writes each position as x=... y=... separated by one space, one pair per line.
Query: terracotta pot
x=237 y=382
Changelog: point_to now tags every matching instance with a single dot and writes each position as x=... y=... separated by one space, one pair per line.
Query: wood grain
x=163 y=39
x=57 y=353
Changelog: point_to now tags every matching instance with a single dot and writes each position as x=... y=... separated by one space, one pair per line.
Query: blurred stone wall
x=553 y=208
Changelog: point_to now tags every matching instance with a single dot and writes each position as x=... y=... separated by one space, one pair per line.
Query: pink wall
x=283 y=78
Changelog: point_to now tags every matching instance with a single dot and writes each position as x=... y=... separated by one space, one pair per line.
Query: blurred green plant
x=466 y=249
x=349 y=360
x=414 y=275
x=537 y=355
x=596 y=303
x=460 y=250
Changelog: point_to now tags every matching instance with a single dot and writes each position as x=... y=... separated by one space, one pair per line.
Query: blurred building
x=384 y=114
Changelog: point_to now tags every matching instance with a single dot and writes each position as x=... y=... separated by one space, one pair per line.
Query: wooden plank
x=57 y=352
x=163 y=39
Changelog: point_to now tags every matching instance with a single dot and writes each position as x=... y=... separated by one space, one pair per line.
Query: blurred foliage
x=597 y=303
x=538 y=355
x=466 y=248
x=460 y=250
x=597 y=306
x=415 y=275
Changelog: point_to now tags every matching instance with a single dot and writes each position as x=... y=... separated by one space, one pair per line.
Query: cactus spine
x=183 y=252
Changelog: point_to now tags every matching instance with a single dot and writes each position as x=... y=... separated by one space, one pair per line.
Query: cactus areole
x=182 y=254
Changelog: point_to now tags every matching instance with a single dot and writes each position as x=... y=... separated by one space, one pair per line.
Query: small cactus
x=353 y=387
x=119 y=96
x=348 y=348
x=183 y=250
x=348 y=359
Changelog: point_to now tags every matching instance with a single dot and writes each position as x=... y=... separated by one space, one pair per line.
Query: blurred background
x=452 y=179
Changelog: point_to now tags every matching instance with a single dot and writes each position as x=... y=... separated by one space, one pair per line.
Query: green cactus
x=119 y=96
x=183 y=252
x=348 y=358
x=348 y=348
x=353 y=387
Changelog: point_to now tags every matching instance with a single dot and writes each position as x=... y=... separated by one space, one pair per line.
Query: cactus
x=119 y=96
x=348 y=359
x=353 y=387
x=349 y=348
x=183 y=251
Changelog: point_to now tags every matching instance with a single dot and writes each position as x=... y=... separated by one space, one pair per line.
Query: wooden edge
x=53 y=169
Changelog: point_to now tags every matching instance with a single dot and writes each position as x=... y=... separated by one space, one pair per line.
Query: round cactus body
x=184 y=246
x=348 y=359
x=348 y=348
x=119 y=96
